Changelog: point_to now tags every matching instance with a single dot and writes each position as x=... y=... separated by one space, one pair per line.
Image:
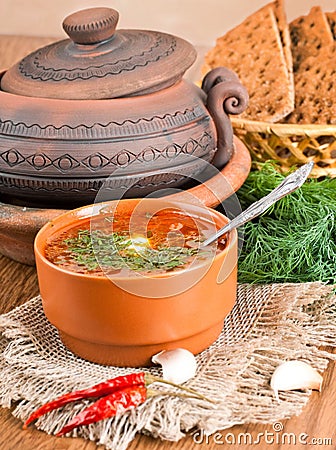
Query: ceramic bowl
x=125 y=320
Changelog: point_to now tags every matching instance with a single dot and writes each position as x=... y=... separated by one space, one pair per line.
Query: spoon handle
x=287 y=186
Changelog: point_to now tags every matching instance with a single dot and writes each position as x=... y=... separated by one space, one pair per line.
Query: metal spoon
x=288 y=185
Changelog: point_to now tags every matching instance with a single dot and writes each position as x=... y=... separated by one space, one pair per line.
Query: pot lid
x=99 y=62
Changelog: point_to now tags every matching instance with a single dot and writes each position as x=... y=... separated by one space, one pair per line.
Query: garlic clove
x=292 y=375
x=178 y=365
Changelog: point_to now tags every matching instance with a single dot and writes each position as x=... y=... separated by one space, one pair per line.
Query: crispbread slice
x=331 y=17
x=280 y=15
x=315 y=87
x=254 y=51
x=309 y=34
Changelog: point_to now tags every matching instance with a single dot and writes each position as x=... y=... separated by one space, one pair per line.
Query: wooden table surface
x=18 y=283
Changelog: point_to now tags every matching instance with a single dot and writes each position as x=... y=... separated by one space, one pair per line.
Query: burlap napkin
x=269 y=324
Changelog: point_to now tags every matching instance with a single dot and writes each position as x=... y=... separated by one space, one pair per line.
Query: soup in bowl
x=123 y=280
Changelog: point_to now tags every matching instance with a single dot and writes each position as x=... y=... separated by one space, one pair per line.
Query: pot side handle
x=225 y=95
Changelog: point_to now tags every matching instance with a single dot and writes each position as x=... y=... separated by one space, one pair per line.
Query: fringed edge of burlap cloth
x=270 y=324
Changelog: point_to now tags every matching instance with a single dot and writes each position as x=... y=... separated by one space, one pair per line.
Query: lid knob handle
x=92 y=25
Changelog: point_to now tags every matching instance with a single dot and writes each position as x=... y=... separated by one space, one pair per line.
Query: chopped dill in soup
x=142 y=242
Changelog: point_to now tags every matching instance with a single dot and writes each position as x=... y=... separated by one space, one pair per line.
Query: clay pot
x=19 y=224
x=18 y=228
x=124 y=321
x=110 y=106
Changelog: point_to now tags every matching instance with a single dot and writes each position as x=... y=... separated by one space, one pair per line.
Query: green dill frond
x=295 y=240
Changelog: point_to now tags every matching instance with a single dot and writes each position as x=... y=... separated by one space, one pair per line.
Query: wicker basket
x=290 y=144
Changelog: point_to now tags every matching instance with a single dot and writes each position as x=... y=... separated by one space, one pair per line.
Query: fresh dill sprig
x=295 y=240
x=96 y=250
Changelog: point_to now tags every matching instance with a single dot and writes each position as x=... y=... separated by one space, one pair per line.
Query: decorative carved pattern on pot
x=66 y=191
x=93 y=184
x=108 y=130
x=12 y=157
x=39 y=161
x=201 y=146
x=95 y=162
x=38 y=68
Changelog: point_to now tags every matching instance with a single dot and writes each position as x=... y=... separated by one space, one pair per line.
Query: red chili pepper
x=98 y=390
x=114 y=385
x=108 y=406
